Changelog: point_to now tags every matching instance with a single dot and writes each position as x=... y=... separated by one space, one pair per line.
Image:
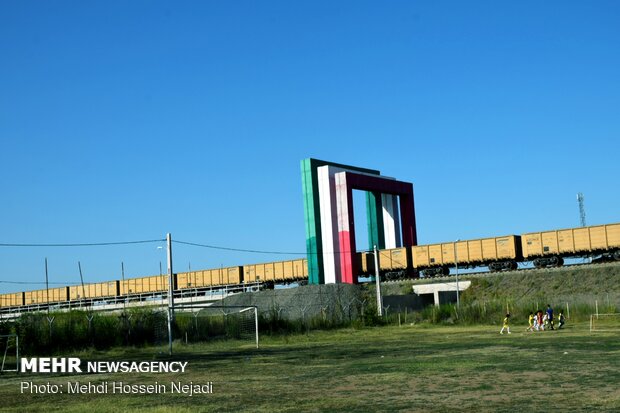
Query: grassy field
x=408 y=368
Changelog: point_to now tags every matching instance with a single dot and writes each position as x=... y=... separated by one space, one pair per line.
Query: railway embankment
x=589 y=284
x=579 y=284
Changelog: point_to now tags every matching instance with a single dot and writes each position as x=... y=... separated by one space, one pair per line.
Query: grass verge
x=408 y=368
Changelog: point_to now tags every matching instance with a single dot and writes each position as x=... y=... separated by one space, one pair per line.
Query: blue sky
x=123 y=121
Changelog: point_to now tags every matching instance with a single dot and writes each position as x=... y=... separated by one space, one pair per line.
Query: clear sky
x=125 y=120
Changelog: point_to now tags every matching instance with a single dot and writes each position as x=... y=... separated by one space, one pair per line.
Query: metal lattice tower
x=582 y=209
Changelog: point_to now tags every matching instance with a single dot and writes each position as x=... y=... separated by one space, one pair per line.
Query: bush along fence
x=62 y=332
x=53 y=333
x=492 y=312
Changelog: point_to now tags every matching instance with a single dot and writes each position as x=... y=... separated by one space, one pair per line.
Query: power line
x=215 y=247
x=93 y=244
x=33 y=282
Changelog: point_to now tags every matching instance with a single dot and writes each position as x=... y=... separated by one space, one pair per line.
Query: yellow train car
x=11 y=300
x=191 y=279
x=290 y=270
x=394 y=259
x=259 y=272
x=287 y=271
x=548 y=248
x=142 y=285
x=53 y=295
x=498 y=253
x=94 y=290
x=365 y=263
x=227 y=275
x=209 y=278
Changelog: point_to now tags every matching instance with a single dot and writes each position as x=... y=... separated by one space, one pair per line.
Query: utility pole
x=47 y=290
x=123 y=285
x=50 y=320
x=82 y=281
x=170 y=290
x=377 y=282
x=456 y=264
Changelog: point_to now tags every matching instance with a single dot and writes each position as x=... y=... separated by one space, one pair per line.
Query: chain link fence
x=298 y=309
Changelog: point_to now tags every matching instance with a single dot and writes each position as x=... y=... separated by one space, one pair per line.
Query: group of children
x=539 y=321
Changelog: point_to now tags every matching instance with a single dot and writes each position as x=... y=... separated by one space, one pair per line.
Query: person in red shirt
x=539 y=315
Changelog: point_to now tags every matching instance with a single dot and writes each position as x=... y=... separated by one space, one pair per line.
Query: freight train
x=268 y=273
x=544 y=249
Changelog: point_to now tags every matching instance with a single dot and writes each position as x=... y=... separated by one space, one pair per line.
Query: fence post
x=89 y=317
x=256 y=324
x=50 y=320
x=302 y=310
x=596 y=303
x=608 y=306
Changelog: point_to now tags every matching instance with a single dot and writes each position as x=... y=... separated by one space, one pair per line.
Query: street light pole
x=170 y=274
x=379 y=303
x=456 y=265
x=170 y=291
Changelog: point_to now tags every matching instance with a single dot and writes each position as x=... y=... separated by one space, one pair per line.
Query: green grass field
x=408 y=368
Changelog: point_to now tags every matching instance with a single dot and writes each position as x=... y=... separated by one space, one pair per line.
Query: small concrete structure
x=443 y=293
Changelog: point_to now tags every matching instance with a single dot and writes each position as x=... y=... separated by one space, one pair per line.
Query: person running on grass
x=530 y=321
x=561 y=320
x=539 y=317
x=550 y=316
x=505 y=324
